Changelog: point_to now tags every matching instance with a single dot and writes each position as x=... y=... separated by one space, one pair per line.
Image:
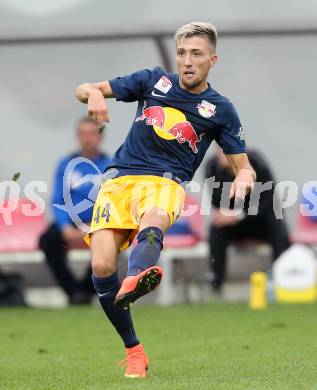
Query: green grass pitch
x=211 y=346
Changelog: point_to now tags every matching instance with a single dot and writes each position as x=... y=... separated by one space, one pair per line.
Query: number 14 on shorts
x=105 y=213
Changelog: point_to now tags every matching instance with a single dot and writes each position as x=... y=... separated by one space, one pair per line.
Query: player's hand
x=242 y=184
x=97 y=107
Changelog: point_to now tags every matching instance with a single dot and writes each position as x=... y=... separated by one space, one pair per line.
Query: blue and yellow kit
x=167 y=141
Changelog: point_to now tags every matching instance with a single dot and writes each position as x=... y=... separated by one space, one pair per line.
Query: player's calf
x=106 y=282
x=143 y=275
x=147 y=251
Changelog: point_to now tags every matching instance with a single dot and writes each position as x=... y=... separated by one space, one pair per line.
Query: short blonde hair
x=197 y=28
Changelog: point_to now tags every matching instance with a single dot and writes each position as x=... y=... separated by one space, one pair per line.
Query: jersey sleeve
x=231 y=137
x=132 y=87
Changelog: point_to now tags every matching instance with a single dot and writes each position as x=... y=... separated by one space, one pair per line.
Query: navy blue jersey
x=173 y=128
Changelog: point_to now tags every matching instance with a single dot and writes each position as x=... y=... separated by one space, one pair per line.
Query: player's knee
x=157 y=218
x=102 y=267
x=159 y=221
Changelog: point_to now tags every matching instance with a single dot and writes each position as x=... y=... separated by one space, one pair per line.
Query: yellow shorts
x=121 y=202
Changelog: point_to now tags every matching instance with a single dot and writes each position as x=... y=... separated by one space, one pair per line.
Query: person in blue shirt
x=177 y=118
x=75 y=179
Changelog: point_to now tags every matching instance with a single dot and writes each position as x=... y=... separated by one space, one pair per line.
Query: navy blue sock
x=147 y=252
x=107 y=288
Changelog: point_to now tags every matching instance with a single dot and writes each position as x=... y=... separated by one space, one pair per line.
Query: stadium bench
x=19 y=244
x=19 y=240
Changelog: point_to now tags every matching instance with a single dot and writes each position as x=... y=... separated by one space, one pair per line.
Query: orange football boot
x=136 y=362
x=134 y=287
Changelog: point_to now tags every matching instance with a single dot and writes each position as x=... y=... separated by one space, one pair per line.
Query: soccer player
x=177 y=118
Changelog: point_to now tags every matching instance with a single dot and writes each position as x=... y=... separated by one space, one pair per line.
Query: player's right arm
x=128 y=88
x=94 y=95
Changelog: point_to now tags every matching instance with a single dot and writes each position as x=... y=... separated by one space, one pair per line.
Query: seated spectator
x=63 y=233
x=227 y=228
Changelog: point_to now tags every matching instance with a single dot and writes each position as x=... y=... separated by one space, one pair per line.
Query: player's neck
x=197 y=89
x=91 y=155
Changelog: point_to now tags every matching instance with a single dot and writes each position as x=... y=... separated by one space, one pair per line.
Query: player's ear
x=213 y=59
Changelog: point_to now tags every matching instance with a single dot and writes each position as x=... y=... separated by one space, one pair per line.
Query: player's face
x=194 y=58
x=89 y=138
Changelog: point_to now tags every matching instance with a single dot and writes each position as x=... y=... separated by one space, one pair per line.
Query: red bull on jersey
x=173 y=127
x=184 y=132
x=154 y=115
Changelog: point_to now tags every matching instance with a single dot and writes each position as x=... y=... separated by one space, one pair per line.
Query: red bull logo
x=183 y=132
x=154 y=116
x=170 y=124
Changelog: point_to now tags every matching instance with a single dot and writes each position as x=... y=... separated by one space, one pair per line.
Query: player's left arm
x=245 y=175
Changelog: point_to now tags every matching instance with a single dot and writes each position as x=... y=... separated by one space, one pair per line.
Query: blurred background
x=267 y=67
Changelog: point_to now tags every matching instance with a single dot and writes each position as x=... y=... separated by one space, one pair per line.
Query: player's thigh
x=155 y=217
x=105 y=246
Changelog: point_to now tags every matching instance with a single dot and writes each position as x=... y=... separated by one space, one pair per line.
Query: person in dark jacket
x=227 y=228
x=65 y=231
